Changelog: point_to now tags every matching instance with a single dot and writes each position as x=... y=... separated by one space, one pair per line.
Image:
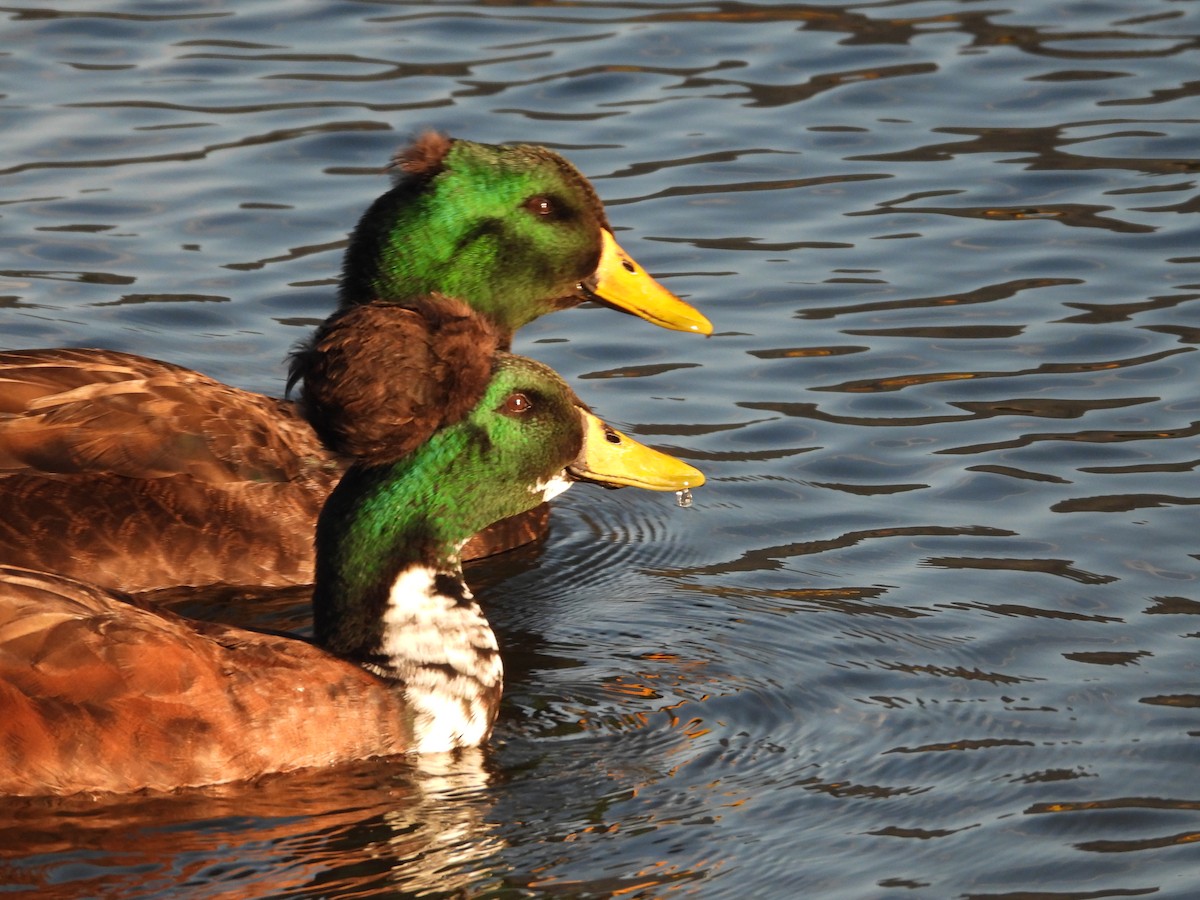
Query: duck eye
x=541 y=206
x=517 y=404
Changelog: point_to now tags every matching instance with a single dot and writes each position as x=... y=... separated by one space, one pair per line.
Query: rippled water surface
x=929 y=631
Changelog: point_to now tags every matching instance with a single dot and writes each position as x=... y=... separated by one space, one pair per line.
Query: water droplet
x=684 y=498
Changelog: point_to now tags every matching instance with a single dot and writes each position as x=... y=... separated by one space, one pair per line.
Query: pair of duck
x=417 y=430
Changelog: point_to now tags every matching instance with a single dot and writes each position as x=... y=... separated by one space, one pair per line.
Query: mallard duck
x=140 y=475
x=101 y=692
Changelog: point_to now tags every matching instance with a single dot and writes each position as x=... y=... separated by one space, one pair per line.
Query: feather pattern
x=201 y=703
x=96 y=446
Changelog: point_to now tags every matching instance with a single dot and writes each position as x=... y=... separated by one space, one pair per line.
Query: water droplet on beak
x=684 y=498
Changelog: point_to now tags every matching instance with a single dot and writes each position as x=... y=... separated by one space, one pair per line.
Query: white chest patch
x=446 y=653
x=552 y=487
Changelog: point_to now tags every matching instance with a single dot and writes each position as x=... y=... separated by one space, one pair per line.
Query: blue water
x=929 y=630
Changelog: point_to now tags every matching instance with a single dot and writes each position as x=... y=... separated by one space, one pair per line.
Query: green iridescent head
x=514 y=231
x=525 y=441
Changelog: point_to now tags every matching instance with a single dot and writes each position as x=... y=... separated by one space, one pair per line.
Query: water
x=928 y=631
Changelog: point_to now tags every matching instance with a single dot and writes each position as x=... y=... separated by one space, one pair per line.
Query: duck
x=142 y=476
x=104 y=692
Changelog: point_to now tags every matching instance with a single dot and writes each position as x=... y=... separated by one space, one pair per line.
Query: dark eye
x=516 y=404
x=541 y=206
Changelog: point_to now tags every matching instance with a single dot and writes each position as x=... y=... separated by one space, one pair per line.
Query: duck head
x=526 y=440
x=514 y=231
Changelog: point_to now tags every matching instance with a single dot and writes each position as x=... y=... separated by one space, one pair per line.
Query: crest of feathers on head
x=422 y=158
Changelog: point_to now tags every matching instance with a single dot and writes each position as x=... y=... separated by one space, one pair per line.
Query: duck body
x=106 y=693
x=187 y=481
x=102 y=694
x=139 y=475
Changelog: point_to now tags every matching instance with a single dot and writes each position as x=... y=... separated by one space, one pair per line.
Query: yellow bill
x=614 y=459
x=624 y=284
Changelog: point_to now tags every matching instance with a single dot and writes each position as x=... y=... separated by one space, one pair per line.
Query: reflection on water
x=928 y=629
x=370 y=826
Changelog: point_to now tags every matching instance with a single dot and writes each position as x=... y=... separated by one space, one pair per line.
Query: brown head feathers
x=381 y=378
x=423 y=158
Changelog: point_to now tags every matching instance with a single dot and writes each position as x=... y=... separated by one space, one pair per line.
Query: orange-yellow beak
x=616 y=460
x=621 y=282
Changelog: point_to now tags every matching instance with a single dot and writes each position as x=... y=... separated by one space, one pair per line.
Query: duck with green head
x=402 y=659
x=140 y=475
x=515 y=231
